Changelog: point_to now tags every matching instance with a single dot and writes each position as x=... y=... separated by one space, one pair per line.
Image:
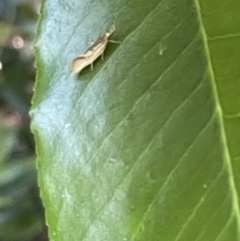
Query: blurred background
x=21 y=211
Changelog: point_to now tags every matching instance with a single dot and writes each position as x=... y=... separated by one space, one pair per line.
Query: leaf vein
x=233 y=185
x=198 y=205
x=226 y=226
x=142 y=154
x=171 y=174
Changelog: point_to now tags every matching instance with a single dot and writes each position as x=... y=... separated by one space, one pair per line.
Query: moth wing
x=86 y=54
x=98 y=50
x=89 y=56
x=78 y=64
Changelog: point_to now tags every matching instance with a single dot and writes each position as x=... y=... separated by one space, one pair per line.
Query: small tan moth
x=91 y=53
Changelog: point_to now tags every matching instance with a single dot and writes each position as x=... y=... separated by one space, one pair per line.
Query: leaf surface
x=145 y=146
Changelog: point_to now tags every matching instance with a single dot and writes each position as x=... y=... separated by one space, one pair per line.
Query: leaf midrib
x=219 y=112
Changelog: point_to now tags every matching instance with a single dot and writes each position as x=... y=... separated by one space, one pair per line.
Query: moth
x=92 y=52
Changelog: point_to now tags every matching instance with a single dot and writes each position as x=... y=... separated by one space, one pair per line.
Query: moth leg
x=114 y=41
x=102 y=56
x=91 y=66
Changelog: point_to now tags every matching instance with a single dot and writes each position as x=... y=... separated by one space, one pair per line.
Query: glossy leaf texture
x=146 y=145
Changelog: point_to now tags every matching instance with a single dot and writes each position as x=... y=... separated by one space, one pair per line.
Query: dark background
x=21 y=211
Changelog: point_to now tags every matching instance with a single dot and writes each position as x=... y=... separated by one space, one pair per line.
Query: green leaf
x=145 y=146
